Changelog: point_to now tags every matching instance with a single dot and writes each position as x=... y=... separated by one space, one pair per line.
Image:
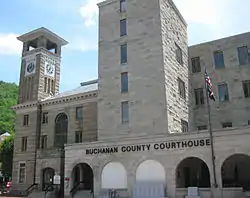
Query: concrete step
x=41 y=194
x=83 y=194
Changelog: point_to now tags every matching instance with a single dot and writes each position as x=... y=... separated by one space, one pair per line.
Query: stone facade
x=158 y=62
x=154 y=30
x=45 y=155
x=225 y=146
x=236 y=110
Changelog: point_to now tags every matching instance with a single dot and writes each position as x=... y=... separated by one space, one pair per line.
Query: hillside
x=8 y=98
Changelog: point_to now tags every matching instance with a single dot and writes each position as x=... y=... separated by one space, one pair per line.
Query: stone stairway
x=41 y=194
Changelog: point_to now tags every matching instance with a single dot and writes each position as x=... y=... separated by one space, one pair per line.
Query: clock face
x=49 y=68
x=31 y=67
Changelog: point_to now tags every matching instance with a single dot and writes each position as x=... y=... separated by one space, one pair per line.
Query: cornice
x=54 y=101
x=40 y=50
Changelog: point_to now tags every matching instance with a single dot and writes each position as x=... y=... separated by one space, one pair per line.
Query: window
x=78 y=136
x=44 y=142
x=124 y=82
x=199 y=96
x=123 y=53
x=61 y=130
x=79 y=113
x=243 y=55
x=202 y=127
x=24 y=144
x=52 y=87
x=196 y=65
x=49 y=85
x=123 y=27
x=125 y=111
x=178 y=54
x=25 y=120
x=122 y=5
x=227 y=124
x=248 y=122
x=184 y=126
x=246 y=88
x=182 y=90
x=45 y=84
x=219 y=59
x=22 y=173
x=223 y=93
x=45 y=118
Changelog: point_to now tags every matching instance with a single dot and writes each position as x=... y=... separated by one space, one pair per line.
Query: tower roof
x=42 y=32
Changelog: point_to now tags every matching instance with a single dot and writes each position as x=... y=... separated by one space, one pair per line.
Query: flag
x=209 y=86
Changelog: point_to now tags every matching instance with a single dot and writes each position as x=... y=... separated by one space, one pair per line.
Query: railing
x=30 y=189
x=48 y=188
x=75 y=188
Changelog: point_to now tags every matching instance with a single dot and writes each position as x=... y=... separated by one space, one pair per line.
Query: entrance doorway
x=235 y=172
x=48 y=176
x=83 y=177
x=192 y=172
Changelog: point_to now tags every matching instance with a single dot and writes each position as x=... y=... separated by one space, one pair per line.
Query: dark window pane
x=123 y=27
x=219 y=59
x=124 y=82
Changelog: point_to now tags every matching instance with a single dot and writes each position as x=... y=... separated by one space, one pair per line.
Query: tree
x=8 y=98
x=6 y=155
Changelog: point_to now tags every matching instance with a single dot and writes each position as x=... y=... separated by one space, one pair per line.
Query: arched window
x=61 y=130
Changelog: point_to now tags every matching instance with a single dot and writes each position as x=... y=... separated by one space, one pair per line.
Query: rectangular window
x=45 y=84
x=123 y=53
x=124 y=82
x=243 y=55
x=246 y=88
x=199 y=96
x=123 y=27
x=24 y=144
x=182 y=90
x=219 y=59
x=79 y=113
x=122 y=5
x=202 y=127
x=78 y=136
x=125 y=111
x=25 y=120
x=44 y=142
x=196 y=65
x=178 y=54
x=227 y=124
x=48 y=91
x=223 y=92
x=184 y=126
x=52 y=86
x=45 y=119
x=22 y=170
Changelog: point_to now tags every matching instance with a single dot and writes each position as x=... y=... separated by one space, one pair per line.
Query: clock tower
x=40 y=65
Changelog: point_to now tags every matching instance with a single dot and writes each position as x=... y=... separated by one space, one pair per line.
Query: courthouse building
x=144 y=121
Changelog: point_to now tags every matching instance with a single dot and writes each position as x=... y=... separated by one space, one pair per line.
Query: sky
x=76 y=21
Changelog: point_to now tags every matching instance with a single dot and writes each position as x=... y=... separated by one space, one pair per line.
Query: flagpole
x=211 y=137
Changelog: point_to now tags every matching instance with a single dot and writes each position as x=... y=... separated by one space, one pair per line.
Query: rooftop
x=42 y=32
x=84 y=88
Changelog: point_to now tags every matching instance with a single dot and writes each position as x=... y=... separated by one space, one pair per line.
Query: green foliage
x=6 y=155
x=8 y=98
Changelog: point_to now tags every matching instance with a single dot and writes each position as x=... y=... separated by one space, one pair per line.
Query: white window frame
x=18 y=174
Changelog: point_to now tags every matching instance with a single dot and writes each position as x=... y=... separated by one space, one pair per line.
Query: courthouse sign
x=148 y=147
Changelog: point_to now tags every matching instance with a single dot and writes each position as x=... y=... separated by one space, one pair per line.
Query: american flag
x=209 y=86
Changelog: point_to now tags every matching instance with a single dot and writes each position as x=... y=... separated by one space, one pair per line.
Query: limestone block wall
x=174 y=35
x=236 y=110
